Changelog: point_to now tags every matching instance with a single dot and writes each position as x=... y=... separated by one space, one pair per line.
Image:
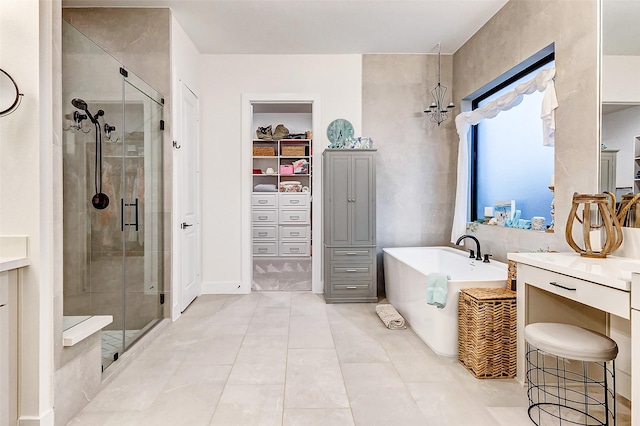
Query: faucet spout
x=478 y=254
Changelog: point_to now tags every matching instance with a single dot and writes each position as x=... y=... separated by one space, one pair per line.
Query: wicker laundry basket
x=487 y=332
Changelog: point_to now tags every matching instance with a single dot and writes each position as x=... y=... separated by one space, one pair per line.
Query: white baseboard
x=46 y=419
x=213 y=287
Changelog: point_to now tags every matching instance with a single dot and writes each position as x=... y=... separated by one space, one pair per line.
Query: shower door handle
x=122 y=206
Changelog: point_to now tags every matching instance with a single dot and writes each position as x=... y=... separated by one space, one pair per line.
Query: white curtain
x=542 y=82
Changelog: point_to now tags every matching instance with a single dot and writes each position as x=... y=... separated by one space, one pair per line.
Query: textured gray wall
x=416 y=159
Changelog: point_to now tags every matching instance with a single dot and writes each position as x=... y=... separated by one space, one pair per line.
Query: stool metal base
x=569 y=392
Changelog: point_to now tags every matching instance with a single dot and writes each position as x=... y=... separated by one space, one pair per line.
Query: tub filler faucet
x=477 y=254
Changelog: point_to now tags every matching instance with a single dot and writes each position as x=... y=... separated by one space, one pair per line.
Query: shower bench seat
x=85 y=328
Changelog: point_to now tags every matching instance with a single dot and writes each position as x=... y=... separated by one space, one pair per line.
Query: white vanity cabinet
x=635 y=340
x=593 y=293
x=4 y=348
x=8 y=350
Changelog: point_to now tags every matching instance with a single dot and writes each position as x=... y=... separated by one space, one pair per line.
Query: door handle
x=185 y=225
x=122 y=206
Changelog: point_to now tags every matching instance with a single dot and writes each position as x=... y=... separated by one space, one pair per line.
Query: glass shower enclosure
x=112 y=186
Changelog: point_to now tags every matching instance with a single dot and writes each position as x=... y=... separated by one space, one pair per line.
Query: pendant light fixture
x=437 y=112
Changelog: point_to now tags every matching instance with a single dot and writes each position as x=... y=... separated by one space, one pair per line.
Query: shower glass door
x=141 y=208
x=112 y=145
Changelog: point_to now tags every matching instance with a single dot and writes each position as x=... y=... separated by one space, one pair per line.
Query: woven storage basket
x=263 y=151
x=293 y=151
x=487 y=332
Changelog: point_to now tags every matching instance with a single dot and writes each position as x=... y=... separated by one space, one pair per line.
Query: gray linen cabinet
x=349 y=224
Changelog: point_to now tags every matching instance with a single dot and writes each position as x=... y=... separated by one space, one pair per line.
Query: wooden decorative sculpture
x=581 y=211
x=628 y=210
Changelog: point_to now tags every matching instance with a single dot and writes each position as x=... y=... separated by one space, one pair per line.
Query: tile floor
x=112 y=343
x=287 y=358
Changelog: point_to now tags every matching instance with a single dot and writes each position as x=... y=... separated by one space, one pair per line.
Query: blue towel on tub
x=437 y=288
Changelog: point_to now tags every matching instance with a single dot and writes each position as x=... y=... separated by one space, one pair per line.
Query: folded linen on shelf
x=437 y=289
x=265 y=187
x=390 y=317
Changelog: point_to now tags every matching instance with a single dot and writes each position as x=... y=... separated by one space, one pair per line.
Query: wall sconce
x=437 y=112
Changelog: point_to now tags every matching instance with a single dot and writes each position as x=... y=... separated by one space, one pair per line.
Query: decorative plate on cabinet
x=339 y=130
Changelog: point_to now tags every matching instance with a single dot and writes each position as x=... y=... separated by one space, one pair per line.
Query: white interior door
x=190 y=226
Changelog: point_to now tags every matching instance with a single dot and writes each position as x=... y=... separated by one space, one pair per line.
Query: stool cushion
x=569 y=341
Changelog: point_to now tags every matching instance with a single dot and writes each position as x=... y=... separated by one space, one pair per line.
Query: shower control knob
x=185 y=225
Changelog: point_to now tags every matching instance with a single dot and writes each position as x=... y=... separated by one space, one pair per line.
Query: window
x=508 y=158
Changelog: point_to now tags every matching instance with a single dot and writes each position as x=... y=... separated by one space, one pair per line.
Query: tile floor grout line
x=344 y=383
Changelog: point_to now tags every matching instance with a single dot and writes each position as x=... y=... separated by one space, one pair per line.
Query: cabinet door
x=337 y=195
x=363 y=200
x=608 y=171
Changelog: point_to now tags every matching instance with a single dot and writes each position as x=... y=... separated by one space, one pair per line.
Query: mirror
x=620 y=94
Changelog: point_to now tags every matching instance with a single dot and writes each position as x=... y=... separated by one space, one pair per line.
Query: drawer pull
x=352 y=253
x=352 y=270
x=263 y=217
x=352 y=287
x=262 y=234
x=294 y=249
x=294 y=234
x=294 y=201
x=262 y=201
x=262 y=250
x=555 y=284
x=295 y=217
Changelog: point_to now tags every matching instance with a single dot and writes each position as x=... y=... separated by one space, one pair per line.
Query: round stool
x=570 y=375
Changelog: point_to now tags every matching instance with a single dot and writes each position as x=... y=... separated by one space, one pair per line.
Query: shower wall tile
x=146 y=309
x=139 y=38
x=77 y=304
x=77 y=382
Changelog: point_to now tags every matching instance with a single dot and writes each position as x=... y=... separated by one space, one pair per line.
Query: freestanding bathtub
x=405 y=274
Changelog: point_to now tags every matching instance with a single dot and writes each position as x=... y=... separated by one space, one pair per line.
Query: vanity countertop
x=13 y=252
x=611 y=271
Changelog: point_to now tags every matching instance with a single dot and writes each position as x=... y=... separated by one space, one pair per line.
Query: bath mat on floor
x=390 y=317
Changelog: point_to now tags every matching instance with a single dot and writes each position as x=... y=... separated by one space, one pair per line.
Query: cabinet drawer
x=295 y=232
x=348 y=288
x=294 y=248
x=265 y=249
x=265 y=216
x=294 y=216
x=265 y=232
x=608 y=299
x=264 y=200
x=347 y=271
x=294 y=200
x=351 y=254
